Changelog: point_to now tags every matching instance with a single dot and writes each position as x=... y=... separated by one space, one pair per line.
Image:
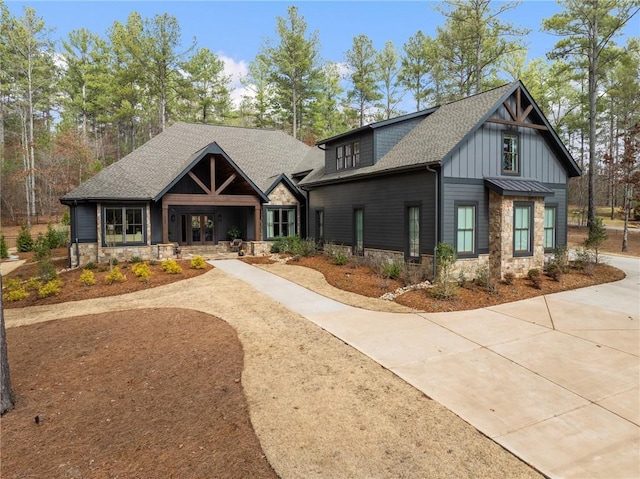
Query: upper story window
x=510 y=154
x=348 y=156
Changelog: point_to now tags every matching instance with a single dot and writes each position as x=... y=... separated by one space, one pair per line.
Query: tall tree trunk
x=593 y=84
x=295 y=112
x=6 y=393
x=625 y=231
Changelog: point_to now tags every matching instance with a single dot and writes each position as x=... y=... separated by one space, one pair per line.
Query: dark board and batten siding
x=385 y=200
x=84 y=227
x=366 y=151
x=559 y=199
x=480 y=156
x=387 y=137
x=156 y=222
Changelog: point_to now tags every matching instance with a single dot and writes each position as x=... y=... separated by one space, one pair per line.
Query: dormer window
x=510 y=154
x=348 y=156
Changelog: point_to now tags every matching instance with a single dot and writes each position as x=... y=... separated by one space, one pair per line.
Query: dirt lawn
x=318 y=407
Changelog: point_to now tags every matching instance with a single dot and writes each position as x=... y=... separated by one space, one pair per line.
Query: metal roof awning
x=517 y=187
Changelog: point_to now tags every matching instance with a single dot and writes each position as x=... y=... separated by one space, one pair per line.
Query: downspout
x=75 y=223
x=430 y=169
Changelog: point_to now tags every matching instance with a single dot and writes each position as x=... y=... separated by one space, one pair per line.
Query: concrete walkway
x=553 y=379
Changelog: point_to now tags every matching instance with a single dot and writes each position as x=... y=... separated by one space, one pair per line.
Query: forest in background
x=71 y=106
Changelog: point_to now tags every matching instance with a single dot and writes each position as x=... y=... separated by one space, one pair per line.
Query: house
x=189 y=186
x=486 y=174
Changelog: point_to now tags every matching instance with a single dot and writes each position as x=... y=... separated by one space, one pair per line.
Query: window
x=358 y=231
x=522 y=229
x=123 y=226
x=549 y=228
x=466 y=230
x=414 y=231
x=281 y=222
x=510 y=157
x=320 y=225
x=348 y=156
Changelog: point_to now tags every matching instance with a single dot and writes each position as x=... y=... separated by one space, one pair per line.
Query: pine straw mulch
x=73 y=290
x=168 y=405
x=361 y=279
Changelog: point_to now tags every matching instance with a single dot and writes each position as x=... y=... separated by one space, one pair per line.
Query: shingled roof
x=262 y=155
x=437 y=135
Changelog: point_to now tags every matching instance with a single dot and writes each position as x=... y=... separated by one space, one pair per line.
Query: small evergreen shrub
x=392 y=269
x=90 y=265
x=535 y=278
x=135 y=260
x=54 y=238
x=445 y=287
x=561 y=257
x=15 y=295
x=533 y=273
x=115 y=275
x=153 y=262
x=553 y=270
x=87 y=278
x=51 y=288
x=198 y=262
x=596 y=238
x=336 y=254
x=170 y=266
x=414 y=273
x=4 y=248
x=24 y=242
x=509 y=278
x=34 y=284
x=142 y=271
x=482 y=278
x=66 y=218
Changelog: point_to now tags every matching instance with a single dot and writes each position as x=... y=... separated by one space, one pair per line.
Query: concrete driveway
x=553 y=379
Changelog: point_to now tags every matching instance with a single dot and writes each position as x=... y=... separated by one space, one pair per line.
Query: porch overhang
x=518 y=187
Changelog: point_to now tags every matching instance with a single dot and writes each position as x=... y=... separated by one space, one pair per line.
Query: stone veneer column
x=496 y=227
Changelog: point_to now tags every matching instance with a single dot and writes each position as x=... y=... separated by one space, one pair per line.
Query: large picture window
x=466 y=230
x=510 y=154
x=281 y=222
x=123 y=225
x=522 y=229
x=550 y=228
x=413 y=216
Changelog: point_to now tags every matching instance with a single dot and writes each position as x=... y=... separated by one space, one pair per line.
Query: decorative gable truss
x=519 y=115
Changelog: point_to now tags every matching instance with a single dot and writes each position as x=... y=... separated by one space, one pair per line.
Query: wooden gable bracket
x=519 y=116
x=211 y=191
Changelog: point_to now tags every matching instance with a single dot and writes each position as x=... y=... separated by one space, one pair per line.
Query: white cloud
x=237 y=70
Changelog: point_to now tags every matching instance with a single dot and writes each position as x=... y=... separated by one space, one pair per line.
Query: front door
x=197 y=229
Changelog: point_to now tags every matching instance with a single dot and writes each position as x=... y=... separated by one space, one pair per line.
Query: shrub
x=34 y=284
x=12 y=284
x=336 y=254
x=66 y=218
x=533 y=273
x=51 y=288
x=115 y=275
x=414 y=273
x=142 y=271
x=553 y=270
x=47 y=270
x=198 y=262
x=535 y=278
x=509 y=277
x=4 y=248
x=113 y=261
x=305 y=247
x=55 y=238
x=87 y=278
x=135 y=259
x=24 y=242
x=90 y=265
x=170 y=266
x=15 y=294
x=445 y=287
x=482 y=277
x=392 y=269
x=153 y=262
x=462 y=279
x=561 y=257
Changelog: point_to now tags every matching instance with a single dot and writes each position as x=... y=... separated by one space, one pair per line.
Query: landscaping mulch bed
x=169 y=404
x=73 y=290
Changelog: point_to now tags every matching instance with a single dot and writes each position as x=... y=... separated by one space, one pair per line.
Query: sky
x=236 y=30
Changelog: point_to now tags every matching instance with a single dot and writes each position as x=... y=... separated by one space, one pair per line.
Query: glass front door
x=197 y=229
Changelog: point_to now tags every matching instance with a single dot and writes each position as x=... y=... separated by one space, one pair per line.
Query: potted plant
x=233 y=233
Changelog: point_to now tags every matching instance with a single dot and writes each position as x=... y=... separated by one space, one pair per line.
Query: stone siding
x=282 y=196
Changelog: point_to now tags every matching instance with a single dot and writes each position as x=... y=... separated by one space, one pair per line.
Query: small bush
x=533 y=273
x=198 y=262
x=535 y=278
x=339 y=258
x=142 y=271
x=392 y=269
x=24 y=242
x=170 y=266
x=51 y=288
x=12 y=284
x=305 y=248
x=482 y=276
x=15 y=295
x=34 y=284
x=4 y=248
x=462 y=279
x=584 y=260
x=153 y=262
x=114 y=262
x=66 y=218
x=509 y=278
x=135 y=259
x=87 y=278
x=115 y=275
x=553 y=270
x=561 y=257
x=596 y=238
x=90 y=265
x=414 y=273
x=55 y=238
